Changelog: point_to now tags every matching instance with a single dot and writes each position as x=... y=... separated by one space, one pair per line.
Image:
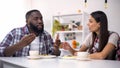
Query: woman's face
x=93 y=25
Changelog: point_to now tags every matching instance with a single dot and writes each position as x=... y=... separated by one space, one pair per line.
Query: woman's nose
x=88 y=24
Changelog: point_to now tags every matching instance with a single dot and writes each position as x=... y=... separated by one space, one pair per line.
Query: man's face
x=35 y=22
x=36 y=28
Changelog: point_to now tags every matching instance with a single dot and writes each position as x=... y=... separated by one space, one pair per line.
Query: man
x=30 y=37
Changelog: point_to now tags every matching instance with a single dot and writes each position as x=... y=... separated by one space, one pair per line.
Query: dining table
x=55 y=62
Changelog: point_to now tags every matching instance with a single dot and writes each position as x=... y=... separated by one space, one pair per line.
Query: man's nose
x=39 y=21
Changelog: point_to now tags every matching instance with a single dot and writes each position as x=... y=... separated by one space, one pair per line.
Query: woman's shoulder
x=113 y=38
x=90 y=34
x=113 y=34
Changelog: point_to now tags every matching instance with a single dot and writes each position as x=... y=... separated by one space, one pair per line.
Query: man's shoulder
x=18 y=29
x=46 y=32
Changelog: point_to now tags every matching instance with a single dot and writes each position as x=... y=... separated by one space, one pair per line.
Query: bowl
x=33 y=53
x=82 y=54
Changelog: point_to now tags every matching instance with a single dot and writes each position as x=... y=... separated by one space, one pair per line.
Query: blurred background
x=12 y=12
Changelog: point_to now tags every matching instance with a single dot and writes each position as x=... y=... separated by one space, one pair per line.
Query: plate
x=47 y=56
x=83 y=59
x=69 y=57
x=41 y=56
x=33 y=57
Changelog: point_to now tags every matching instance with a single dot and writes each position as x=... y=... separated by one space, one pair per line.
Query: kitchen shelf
x=75 y=31
x=68 y=35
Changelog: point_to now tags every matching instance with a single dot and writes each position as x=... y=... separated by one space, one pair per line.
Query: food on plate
x=69 y=57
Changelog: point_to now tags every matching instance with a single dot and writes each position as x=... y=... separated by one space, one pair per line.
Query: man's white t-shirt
x=35 y=44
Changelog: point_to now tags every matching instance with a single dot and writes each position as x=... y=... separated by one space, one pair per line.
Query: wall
x=53 y=7
x=12 y=15
x=13 y=12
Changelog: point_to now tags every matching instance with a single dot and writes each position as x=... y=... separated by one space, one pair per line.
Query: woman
x=100 y=43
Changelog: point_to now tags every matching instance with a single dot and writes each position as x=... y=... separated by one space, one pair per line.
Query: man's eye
x=35 y=18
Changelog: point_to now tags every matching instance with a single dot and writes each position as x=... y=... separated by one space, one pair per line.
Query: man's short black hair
x=29 y=13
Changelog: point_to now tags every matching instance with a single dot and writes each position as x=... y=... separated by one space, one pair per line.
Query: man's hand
x=27 y=39
x=57 y=41
x=56 y=45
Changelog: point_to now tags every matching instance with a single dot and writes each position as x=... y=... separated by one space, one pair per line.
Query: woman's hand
x=66 y=46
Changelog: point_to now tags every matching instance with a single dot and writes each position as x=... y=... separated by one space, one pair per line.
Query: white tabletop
x=59 y=63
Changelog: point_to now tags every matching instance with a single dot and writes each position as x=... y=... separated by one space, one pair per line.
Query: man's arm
x=26 y=40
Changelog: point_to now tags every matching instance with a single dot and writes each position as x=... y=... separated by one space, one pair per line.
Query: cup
x=82 y=54
x=33 y=53
x=64 y=52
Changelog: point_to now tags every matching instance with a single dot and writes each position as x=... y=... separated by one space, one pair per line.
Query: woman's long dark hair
x=101 y=18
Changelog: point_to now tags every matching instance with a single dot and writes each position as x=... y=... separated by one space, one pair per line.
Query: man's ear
x=27 y=21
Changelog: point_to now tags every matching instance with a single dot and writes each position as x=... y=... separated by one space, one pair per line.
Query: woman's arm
x=111 y=45
x=104 y=53
x=82 y=48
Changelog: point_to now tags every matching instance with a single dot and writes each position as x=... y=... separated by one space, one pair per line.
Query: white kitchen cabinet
x=77 y=34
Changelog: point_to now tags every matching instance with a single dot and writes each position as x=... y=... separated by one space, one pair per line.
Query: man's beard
x=35 y=29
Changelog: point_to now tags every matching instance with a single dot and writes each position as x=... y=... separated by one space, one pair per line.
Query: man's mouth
x=39 y=26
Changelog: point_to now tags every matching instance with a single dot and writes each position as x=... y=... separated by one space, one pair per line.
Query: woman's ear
x=99 y=24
